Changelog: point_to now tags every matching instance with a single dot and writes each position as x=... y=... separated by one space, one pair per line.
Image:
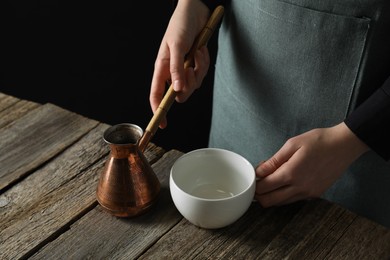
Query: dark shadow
x=96 y=59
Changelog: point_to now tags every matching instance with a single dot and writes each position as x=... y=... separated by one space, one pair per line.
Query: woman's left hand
x=307 y=165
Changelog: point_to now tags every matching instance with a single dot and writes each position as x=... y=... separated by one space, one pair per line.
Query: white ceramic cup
x=212 y=188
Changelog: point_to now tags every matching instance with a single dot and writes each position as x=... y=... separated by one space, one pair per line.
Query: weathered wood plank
x=153 y=153
x=15 y=111
x=7 y=101
x=42 y=203
x=41 y=206
x=50 y=211
x=307 y=230
x=300 y=236
x=237 y=241
x=98 y=235
x=371 y=242
x=35 y=138
x=318 y=228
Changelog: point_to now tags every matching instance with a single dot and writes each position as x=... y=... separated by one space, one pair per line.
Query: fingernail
x=260 y=163
x=259 y=172
x=176 y=85
x=259 y=169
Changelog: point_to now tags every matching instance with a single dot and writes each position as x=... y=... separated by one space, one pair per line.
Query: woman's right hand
x=188 y=19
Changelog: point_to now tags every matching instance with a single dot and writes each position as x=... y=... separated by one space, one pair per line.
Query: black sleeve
x=371 y=121
x=212 y=4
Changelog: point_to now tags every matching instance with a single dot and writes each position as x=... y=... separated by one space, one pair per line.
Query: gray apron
x=286 y=67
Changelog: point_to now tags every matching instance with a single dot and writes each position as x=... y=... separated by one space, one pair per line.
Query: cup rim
x=128 y=128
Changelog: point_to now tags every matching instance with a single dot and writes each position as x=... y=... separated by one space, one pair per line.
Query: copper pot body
x=128 y=185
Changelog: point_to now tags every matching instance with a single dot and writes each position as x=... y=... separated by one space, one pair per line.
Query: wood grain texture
x=7 y=101
x=35 y=138
x=45 y=202
x=303 y=230
x=50 y=162
x=99 y=235
x=13 y=112
x=60 y=186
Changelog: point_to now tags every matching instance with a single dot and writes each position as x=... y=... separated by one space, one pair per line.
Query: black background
x=97 y=59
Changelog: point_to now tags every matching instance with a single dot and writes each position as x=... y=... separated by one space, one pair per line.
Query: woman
x=300 y=90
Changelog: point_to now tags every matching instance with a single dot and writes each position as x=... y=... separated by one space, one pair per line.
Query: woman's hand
x=307 y=165
x=188 y=19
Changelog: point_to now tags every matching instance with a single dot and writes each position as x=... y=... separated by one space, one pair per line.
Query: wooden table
x=50 y=162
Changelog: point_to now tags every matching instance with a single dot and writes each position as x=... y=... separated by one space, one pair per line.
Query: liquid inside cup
x=211 y=191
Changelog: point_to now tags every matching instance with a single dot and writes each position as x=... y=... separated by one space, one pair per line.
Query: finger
x=278 y=179
x=158 y=87
x=282 y=196
x=277 y=160
x=202 y=64
x=194 y=76
x=177 y=69
x=188 y=88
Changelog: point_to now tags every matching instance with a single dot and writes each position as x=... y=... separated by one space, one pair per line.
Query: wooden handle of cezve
x=170 y=95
